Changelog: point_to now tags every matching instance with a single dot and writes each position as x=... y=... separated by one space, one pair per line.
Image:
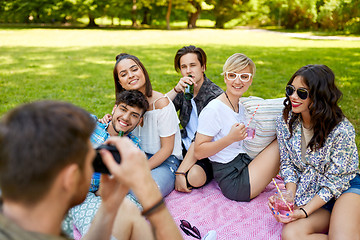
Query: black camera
x=98 y=164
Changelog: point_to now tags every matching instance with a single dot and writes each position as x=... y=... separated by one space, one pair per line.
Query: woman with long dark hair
x=318 y=154
x=160 y=133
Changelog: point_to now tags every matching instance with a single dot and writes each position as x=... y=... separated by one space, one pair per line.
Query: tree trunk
x=168 y=13
x=119 y=19
x=133 y=14
x=219 y=22
x=193 y=17
x=92 y=21
x=145 y=20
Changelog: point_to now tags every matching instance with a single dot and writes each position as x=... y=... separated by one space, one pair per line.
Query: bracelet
x=306 y=215
x=176 y=90
x=180 y=173
x=153 y=209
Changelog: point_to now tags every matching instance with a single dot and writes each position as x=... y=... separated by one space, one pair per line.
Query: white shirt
x=159 y=123
x=216 y=120
x=191 y=127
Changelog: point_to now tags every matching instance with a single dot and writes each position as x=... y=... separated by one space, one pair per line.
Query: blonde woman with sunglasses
x=319 y=159
x=220 y=134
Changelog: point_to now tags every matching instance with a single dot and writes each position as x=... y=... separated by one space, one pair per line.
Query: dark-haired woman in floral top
x=319 y=158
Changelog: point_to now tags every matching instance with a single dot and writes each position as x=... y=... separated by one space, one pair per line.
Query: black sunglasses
x=190 y=230
x=303 y=93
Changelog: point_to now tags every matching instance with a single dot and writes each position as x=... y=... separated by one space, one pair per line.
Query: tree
x=143 y=7
x=340 y=15
x=90 y=8
x=334 y=15
x=193 y=16
x=292 y=14
x=168 y=4
x=168 y=13
x=133 y=13
x=37 y=11
x=226 y=10
x=300 y=14
x=193 y=8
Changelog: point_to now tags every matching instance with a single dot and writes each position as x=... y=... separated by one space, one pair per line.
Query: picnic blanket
x=207 y=209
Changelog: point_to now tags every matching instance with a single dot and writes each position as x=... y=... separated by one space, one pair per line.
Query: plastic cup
x=282 y=208
x=251 y=130
x=250 y=133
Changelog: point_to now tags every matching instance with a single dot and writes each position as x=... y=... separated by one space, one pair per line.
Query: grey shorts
x=233 y=178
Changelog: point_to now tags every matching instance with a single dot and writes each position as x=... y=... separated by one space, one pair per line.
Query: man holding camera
x=45 y=169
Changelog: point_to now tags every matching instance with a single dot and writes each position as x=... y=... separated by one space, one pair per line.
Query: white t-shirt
x=216 y=120
x=191 y=127
x=159 y=123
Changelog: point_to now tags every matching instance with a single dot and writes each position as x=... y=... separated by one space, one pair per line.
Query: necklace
x=229 y=101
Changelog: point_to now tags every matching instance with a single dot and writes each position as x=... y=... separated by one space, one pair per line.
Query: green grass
x=76 y=65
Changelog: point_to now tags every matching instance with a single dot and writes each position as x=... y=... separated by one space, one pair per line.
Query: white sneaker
x=211 y=235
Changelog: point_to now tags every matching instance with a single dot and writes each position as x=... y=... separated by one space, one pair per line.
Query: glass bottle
x=189 y=91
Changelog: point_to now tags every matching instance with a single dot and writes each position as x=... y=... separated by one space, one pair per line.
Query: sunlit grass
x=76 y=64
x=200 y=23
x=70 y=38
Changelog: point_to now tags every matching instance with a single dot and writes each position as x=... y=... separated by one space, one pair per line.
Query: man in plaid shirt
x=127 y=114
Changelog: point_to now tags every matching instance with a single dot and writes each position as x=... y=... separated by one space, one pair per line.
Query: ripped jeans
x=164 y=174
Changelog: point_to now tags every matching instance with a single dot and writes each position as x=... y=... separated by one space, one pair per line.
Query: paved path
x=314 y=37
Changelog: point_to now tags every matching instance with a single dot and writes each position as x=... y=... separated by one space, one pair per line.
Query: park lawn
x=76 y=65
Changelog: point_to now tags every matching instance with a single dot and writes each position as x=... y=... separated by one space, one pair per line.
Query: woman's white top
x=159 y=123
x=216 y=120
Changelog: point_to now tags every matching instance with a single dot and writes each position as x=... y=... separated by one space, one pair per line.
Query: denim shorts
x=164 y=174
x=354 y=188
x=354 y=185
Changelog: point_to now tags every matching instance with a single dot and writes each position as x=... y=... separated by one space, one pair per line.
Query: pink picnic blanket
x=208 y=209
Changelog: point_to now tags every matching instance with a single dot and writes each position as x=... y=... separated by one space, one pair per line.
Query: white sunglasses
x=245 y=77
